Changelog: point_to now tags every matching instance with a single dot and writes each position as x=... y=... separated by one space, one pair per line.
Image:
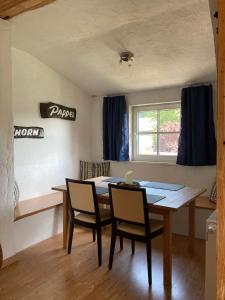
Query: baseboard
x=9 y=261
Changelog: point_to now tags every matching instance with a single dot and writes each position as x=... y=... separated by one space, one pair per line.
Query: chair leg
x=112 y=248
x=70 y=240
x=121 y=243
x=93 y=232
x=149 y=260
x=99 y=240
x=133 y=246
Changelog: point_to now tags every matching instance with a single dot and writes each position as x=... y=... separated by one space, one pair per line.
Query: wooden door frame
x=221 y=154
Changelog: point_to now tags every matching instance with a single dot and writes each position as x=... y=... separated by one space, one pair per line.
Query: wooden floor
x=46 y=272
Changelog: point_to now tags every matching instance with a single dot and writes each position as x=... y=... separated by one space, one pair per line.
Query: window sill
x=172 y=163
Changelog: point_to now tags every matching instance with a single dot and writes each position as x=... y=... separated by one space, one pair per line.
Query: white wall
x=6 y=143
x=43 y=163
x=34 y=229
x=192 y=176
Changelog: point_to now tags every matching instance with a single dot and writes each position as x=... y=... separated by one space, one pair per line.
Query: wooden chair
x=131 y=220
x=85 y=211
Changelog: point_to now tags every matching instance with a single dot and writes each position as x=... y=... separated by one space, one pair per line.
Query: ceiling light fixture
x=127 y=57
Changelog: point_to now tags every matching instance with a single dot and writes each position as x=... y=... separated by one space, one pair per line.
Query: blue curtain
x=115 y=129
x=197 y=143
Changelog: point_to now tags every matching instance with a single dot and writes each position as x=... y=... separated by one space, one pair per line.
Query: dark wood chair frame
x=133 y=237
x=95 y=226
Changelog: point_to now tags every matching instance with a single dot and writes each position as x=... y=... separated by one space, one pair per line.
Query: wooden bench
x=36 y=205
x=205 y=203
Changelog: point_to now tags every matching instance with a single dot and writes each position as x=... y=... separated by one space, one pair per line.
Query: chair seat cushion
x=138 y=229
x=105 y=214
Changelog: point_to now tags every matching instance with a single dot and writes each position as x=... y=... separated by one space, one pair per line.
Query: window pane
x=147 y=120
x=170 y=120
x=147 y=144
x=168 y=143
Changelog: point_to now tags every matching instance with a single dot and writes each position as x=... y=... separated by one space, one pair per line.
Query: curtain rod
x=115 y=95
x=200 y=83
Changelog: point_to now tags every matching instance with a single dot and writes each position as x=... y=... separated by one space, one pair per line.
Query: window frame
x=134 y=131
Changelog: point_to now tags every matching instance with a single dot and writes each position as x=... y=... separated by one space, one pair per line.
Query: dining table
x=172 y=201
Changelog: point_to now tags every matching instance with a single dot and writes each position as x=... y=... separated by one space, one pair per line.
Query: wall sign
x=53 y=110
x=28 y=132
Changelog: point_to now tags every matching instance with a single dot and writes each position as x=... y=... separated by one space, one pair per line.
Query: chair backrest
x=82 y=195
x=128 y=204
x=93 y=169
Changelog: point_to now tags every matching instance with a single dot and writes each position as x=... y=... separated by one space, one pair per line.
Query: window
x=156 y=130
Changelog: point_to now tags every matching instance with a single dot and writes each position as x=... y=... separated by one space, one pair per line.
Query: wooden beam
x=12 y=8
x=221 y=156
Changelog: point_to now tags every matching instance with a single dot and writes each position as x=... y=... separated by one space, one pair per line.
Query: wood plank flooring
x=46 y=272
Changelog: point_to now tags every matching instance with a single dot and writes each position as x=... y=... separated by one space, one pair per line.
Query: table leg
x=191 y=236
x=65 y=219
x=167 y=249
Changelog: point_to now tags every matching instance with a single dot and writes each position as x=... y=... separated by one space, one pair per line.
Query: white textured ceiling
x=172 y=41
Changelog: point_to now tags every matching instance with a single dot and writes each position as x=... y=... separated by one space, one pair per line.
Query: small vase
x=133 y=185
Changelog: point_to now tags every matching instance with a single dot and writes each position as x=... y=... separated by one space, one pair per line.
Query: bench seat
x=36 y=205
x=205 y=203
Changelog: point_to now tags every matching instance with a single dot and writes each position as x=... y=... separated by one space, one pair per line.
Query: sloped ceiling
x=172 y=41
